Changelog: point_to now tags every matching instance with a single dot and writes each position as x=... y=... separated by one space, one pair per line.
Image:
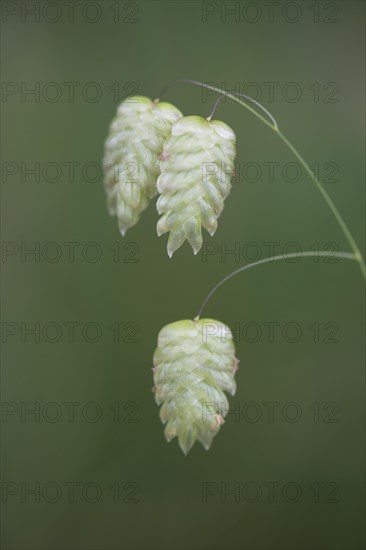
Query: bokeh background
x=115 y=438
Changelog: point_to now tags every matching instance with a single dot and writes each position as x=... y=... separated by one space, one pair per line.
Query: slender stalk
x=232 y=96
x=357 y=253
x=274 y=126
x=307 y=254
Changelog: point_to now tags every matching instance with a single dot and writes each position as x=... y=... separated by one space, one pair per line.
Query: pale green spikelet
x=196 y=166
x=131 y=160
x=194 y=364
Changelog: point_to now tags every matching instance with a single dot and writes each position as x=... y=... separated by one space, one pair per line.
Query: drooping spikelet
x=196 y=165
x=194 y=364
x=131 y=160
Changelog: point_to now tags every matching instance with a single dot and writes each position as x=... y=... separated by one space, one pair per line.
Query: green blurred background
x=161 y=502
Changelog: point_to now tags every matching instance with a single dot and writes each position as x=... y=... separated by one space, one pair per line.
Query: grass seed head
x=196 y=166
x=194 y=364
x=131 y=160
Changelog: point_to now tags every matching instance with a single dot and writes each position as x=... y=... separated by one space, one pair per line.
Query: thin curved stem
x=330 y=203
x=273 y=125
x=294 y=255
x=227 y=94
x=271 y=117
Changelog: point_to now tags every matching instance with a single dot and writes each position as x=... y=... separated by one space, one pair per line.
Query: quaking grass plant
x=152 y=149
